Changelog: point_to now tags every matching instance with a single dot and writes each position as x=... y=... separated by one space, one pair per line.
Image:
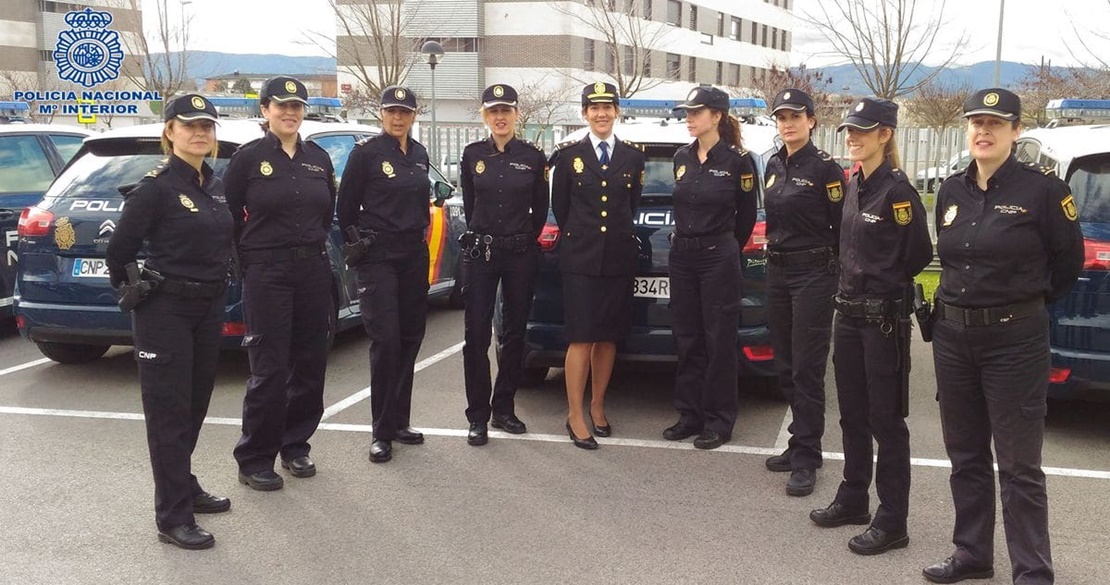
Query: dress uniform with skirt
x=1004 y=253
x=804 y=197
x=384 y=194
x=181 y=217
x=283 y=208
x=505 y=198
x=884 y=243
x=594 y=196
x=715 y=212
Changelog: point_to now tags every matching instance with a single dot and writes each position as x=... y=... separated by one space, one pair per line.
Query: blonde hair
x=890 y=150
x=167 y=144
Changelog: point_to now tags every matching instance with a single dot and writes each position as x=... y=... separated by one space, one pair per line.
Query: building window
x=763 y=41
x=774 y=38
x=46 y=56
x=457 y=44
x=693 y=17
x=647 y=8
x=589 y=55
x=720 y=24
x=674 y=12
x=737 y=26
x=674 y=67
x=693 y=72
x=629 y=61
x=610 y=58
x=785 y=41
x=706 y=39
x=647 y=63
x=720 y=73
x=755 y=32
x=735 y=74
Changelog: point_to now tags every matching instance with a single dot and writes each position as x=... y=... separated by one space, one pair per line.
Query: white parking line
x=783 y=440
x=363 y=394
x=30 y=364
x=543 y=438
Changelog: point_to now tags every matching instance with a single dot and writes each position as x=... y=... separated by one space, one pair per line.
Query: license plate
x=90 y=268
x=651 y=287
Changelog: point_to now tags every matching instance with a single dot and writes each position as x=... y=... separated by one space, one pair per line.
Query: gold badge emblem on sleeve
x=836 y=193
x=579 y=166
x=479 y=167
x=903 y=215
x=265 y=168
x=387 y=168
x=187 y=203
x=64 y=235
x=1069 y=208
x=679 y=172
x=747 y=182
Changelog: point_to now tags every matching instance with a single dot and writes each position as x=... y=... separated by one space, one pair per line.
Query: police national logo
x=88 y=54
x=387 y=168
x=399 y=94
x=498 y=91
x=835 y=191
x=903 y=214
x=579 y=166
x=187 y=203
x=950 y=215
x=64 y=236
x=290 y=87
x=266 y=168
x=479 y=167
x=1069 y=208
x=991 y=99
x=747 y=181
x=198 y=103
x=681 y=170
x=770 y=181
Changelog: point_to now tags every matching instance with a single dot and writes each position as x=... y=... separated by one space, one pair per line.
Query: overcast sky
x=1033 y=28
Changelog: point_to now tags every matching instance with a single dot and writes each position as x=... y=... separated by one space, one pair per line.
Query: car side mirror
x=443 y=191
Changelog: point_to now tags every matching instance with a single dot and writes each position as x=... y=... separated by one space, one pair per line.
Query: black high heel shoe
x=588 y=443
x=602 y=430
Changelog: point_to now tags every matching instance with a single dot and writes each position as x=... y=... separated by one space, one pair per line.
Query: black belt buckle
x=487 y=239
x=874 y=308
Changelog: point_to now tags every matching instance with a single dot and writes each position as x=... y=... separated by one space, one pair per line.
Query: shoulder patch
x=737 y=149
x=824 y=155
x=531 y=144
x=364 y=141
x=1038 y=168
x=158 y=170
x=566 y=144
x=898 y=174
x=639 y=147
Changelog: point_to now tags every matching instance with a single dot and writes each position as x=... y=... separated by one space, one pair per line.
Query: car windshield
x=102 y=174
x=24 y=167
x=1090 y=184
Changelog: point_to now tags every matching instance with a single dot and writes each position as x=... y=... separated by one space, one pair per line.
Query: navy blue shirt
x=717 y=196
x=183 y=221
x=384 y=189
x=278 y=201
x=803 y=199
x=504 y=192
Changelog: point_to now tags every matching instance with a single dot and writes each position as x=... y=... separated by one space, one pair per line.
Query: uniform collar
x=508 y=145
x=713 y=152
x=611 y=140
x=808 y=150
x=972 y=173
x=877 y=177
x=188 y=172
x=274 y=142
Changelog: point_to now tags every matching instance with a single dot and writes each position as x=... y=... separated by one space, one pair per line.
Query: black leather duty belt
x=870 y=309
x=513 y=242
x=191 y=289
x=700 y=243
x=990 y=315
x=808 y=257
x=281 y=254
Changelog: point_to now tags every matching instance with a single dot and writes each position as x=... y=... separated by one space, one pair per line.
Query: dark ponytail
x=729 y=129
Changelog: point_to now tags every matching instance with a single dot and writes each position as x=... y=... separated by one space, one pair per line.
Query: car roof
x=757 y=138
x=43 y=129
x=1067 y=143
x=238 y=131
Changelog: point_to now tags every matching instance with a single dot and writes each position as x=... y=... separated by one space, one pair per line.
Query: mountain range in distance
x=845 y=78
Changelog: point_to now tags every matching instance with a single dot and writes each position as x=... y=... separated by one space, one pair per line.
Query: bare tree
x=886 y=40
x=163 y=58
x=627 y=41
x=371 y=46
x=1044 y=82
x=939 y=105
x=15 y=80
x=815 y=83
x=1087 y=37
x=542 y=106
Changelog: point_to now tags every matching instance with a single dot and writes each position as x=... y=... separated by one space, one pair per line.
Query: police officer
x=595 y=191
x=384 y=196
x=715 y=211
x=884 y=243
x=178 y=212
x=1008 y=241
x=505 y=191
x=804 y=197
x=281 y=191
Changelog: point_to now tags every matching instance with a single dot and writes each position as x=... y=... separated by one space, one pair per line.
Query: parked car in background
x=31 y=155
x=650 y=339
x=931 y=178
x=1080 y=322
x=63 y=300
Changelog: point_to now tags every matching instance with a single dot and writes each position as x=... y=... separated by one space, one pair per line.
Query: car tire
x=533 y=377
x=71 y=353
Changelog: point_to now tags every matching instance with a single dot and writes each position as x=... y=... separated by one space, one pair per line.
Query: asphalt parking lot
x=76 y=496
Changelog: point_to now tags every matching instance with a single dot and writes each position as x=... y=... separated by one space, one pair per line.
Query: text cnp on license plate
x=90 y=267
x=651 y=287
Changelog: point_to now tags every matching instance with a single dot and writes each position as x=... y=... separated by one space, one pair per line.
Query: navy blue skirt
x=596 y=308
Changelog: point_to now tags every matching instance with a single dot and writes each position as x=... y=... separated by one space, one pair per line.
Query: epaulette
x=532 y=145
x=1039 y=168
x=368 y=140
x=249 y=143
x=158 y=170
x=475 y=143
x=737 y=149
x=566 y=144
x=824 y=155
x=898 y=173
x=639 y=147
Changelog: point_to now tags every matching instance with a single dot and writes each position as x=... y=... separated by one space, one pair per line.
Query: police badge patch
x=950 y=215
x=265 y=168
x=836 y=193
x=1069 y=208
x=579 y=166
x=64 y=235
x=479 y=167
x=903 y=215
x=187 y=203
x=770 y=181
x=747 y=182
x=387 y=168
x=679 y=172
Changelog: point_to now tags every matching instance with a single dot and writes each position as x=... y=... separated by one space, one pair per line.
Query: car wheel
x=533 y=377
x=71 y=353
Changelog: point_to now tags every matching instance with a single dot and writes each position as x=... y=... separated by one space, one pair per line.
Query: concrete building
x=550 y=49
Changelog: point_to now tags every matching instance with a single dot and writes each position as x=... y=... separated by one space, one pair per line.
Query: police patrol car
x=649 y=340
x=63 y=300
x=1076 y=145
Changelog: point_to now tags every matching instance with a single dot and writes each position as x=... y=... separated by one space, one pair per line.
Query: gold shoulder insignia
x=824 y=155
x=639 y=147
x=1039 y=168
x=363 y=141
x=158 y=170
x=532 y=144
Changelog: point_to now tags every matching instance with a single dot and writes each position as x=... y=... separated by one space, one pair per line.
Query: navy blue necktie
x=604 y=146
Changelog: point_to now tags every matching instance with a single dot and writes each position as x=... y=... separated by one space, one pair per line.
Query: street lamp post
x=998 y=50
x=434 y=51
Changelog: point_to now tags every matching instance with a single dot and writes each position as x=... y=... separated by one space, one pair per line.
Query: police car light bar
x=665 y=108
x=1082 y=110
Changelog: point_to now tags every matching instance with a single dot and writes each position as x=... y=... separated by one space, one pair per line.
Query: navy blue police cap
x=499 y=95
x=189 y=107
x=870 y=113
x=600 y=93
x=993 y=101
x=283 y=89
x=792 y=99
x=397 y=96
x=705 y=96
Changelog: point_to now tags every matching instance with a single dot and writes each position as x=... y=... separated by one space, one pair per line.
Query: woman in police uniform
x=595 y=192
x=804 y=196
x=281 y=191
x=1009 y=242
x=884 y=243
x=505 y=191
x=383 y=197
x=178 y=212
x=715 y=211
